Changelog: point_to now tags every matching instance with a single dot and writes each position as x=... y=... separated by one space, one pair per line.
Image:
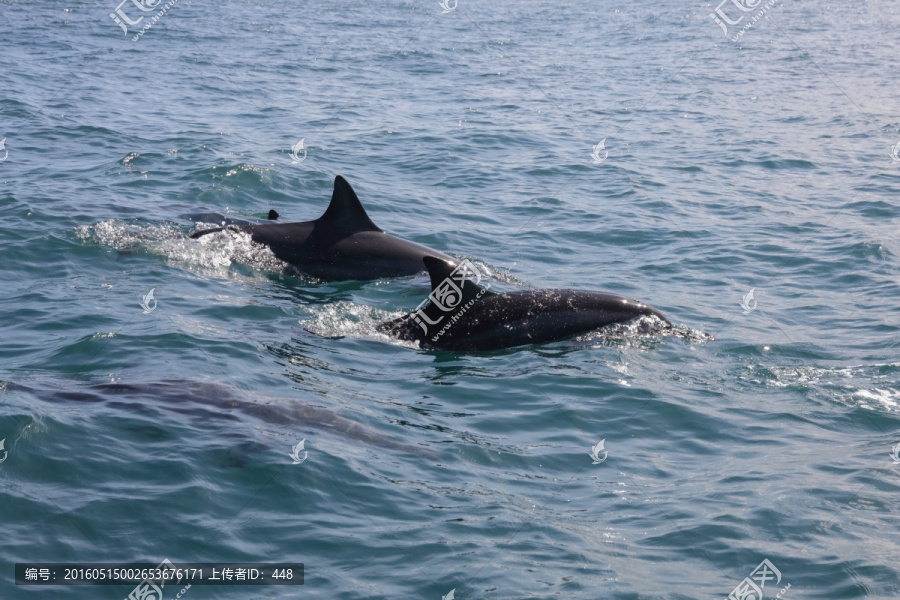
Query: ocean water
x=721 y=167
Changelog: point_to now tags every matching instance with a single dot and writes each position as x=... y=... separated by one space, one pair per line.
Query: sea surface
x=631 y=147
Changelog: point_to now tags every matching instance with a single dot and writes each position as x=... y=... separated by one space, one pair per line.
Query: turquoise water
x=759 y=164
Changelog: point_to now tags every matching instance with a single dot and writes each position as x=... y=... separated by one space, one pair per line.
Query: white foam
x=346 y=319
x=215 y=251
x=886 y=397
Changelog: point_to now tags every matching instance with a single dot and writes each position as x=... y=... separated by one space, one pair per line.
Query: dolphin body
x=207 y=401
x=342 y=244
x=484 y=320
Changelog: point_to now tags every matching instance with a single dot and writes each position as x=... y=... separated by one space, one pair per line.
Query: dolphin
x=342 y=244
x=225 y=220
x=462 y=315
x=209 y=400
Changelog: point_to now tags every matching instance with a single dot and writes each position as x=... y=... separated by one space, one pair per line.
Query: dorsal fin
x=438 y=270
x=346 y=212
x=465 y=279
x=454 y=291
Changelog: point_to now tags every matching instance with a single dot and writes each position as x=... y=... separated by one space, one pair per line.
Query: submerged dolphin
x=206 y=400
x=341 y=244
x=462 y=315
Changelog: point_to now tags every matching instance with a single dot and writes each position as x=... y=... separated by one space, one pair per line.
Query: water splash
x=871 y=387
x=647 y=328
x=346 y=319
x=215 y=252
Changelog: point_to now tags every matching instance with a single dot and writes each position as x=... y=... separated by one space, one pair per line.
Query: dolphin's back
x=538 y=316
x=342 y=244
x=483 y=320
x=511 y=319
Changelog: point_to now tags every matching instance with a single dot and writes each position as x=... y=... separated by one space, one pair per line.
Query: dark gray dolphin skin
x=484 y=320
x=342 y=244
